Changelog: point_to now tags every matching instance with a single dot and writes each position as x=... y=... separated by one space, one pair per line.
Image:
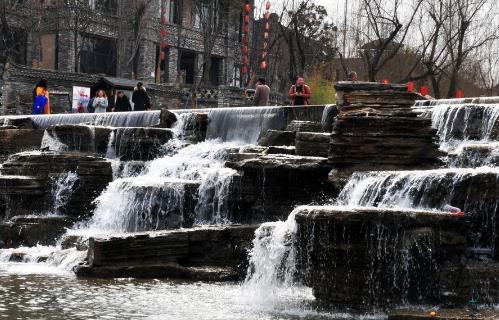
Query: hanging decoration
x=164 y=20
x=247 y=11
x=266 y=36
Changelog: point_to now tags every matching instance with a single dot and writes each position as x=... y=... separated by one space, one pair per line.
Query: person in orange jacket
x=41 y=89
x=300 y=93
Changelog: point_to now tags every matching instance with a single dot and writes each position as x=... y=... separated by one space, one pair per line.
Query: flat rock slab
x=207 y=253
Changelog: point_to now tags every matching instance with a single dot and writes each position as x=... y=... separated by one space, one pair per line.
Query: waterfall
x=456 y=123
x=244 y=124
x=146 y=201
x=475 y=191
x=272 y=264
x=63 y=190
x=113 y=119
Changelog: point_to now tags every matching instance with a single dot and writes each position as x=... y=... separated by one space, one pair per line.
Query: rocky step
x=312 y=144
x=37 y=175
x=269 y=186
x=367 y=258
x=304 y=126
x=14 y=140
x=124 y=143
x=277 y=138
x=208 y=253
x=30 y=231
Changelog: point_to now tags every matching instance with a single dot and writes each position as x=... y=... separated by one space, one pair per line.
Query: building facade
x=82 y=40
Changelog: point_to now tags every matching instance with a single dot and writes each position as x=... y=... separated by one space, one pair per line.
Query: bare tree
x=470 y=26
x=383 y=31
x=310 y=38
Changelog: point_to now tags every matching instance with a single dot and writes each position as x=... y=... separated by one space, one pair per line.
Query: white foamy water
x=142 y=202
x=272 y=265
x=63 y=191
x=40 y=260
x=460 y=123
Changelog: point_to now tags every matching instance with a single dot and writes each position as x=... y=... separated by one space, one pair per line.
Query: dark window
x=187 y=64
x=216 y=66
x=98 y=55
x=108 y=7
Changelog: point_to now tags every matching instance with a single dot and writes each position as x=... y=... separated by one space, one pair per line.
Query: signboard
x=81 y=97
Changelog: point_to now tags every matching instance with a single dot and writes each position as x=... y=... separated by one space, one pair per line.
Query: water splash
x=272 y=264
x=63 y=190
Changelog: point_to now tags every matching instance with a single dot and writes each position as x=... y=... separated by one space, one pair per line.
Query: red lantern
x=245 y=60
x=162 y=56
x=163 y=32
x=459 y=94
x=424 y=91
x=244 y=69
x=263 y=65
x=245 y=51
x=246 y=29
x=245 y=40
x=386 y=81
x=410 y=86
x=247 y=8
x=246 y=19
x=163 y=20
x=163 y=43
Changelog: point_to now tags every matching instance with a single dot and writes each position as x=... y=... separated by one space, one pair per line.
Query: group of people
x=101 y=103
x=299 y=94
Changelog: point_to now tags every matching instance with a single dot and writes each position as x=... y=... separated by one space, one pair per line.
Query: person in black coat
x=122 y=103
x=140 y=98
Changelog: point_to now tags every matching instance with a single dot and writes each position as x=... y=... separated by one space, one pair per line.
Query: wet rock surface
x=269 y=186
x=277 y=138
x=30 y=177
x=31 y=231
x=210 y=253
x=123 y=143
x=377 y=258
x=13 y=140
x=312 y=144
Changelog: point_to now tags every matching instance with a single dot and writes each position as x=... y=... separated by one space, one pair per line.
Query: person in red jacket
x=300 y=93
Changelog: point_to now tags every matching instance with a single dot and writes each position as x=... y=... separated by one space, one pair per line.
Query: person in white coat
x=100 y=102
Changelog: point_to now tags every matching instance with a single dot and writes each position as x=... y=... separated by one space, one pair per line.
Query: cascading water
x=458 y=123
x=272 y=264
x=244 y=124
x=63 y=190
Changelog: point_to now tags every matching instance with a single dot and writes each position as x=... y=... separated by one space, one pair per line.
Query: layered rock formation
x=377 y=130
x=210 y=254
x=377 y=258
x=31 y=231
x=30 y=178
x=269 y=186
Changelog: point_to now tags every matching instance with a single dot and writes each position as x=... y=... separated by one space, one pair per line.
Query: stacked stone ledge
x=377 y=129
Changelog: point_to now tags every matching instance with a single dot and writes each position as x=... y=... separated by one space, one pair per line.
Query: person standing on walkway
x=42 y=89
x=100 y=102
x=122 y=103
x=262 y=93
x=140 y=98
x=300 y=93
